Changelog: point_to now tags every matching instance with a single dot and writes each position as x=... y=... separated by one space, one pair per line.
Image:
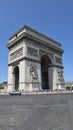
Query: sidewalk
x=33 y=93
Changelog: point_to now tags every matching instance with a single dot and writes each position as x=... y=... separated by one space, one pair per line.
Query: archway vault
x=45 y=65
x=16 y=78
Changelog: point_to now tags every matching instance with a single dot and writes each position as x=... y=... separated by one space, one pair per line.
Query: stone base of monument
x=34 y=87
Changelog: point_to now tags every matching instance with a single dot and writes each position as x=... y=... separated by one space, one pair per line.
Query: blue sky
x=53 y=18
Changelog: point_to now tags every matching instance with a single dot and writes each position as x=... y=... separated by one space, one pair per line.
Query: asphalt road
x=36 y=112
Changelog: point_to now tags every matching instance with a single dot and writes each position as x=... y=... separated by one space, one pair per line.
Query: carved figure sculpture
x=33 y=73
x=60 y=76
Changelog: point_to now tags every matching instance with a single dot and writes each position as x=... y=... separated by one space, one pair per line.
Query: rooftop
x=27 y=31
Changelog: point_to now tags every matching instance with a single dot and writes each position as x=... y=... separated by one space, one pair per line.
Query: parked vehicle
x=15 y=92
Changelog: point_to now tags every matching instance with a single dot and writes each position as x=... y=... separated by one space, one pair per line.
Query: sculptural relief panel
x=60 y=76
x=32 y=51
x=33 y=73
x=58 y=60
x=18 y=53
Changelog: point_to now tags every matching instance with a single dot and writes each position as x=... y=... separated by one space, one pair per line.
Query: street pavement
x=37 y=112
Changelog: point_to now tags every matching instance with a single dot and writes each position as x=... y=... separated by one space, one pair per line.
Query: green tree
x=72 y=88
x=68 y=88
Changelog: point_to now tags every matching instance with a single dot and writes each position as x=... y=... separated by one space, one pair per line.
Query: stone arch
x=45 y=65
x=16 y=77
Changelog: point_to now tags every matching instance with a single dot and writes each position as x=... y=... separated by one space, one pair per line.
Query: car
x=15 y=92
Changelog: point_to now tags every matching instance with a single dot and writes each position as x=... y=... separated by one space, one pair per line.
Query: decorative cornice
x=24 y=58
x=16 y=40
x=33 y=30
x=26 y=35
x=43 y=42
x=58 y=66
x=33 y=60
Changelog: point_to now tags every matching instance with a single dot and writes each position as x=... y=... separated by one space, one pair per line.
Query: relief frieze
x=58 y=60
x=16 y=54
x=32 y=51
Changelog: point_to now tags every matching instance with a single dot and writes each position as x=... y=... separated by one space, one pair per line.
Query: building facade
x=35 y=62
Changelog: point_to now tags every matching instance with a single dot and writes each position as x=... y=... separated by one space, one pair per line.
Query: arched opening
x=45 y=64
x=16 y=74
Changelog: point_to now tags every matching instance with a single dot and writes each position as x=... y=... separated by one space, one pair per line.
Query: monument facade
x=35 y=62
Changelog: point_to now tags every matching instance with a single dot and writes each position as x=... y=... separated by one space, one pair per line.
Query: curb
x=40 y=93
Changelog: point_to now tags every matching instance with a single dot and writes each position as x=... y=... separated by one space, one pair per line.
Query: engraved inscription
x=16 y=54
x=58 y=60
x=31 y=51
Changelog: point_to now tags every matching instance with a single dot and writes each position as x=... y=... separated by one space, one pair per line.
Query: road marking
x=35 y=106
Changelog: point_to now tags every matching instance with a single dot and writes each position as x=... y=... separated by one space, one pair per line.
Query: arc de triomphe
x=35 y=62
